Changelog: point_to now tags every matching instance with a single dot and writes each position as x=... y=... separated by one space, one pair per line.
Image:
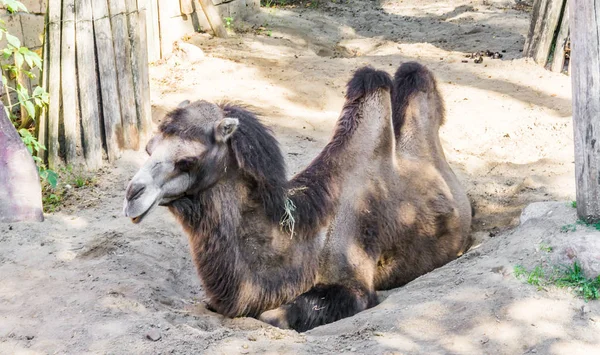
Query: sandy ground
x=88 y=281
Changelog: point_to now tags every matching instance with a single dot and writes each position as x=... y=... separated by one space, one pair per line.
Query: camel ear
x=183 y=104
x=225 y=128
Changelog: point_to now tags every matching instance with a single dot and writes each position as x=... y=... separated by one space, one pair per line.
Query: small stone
x=29 y=337
x=245 y=346
x=153 y=335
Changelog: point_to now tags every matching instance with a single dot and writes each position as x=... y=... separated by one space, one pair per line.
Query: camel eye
x=185 y=165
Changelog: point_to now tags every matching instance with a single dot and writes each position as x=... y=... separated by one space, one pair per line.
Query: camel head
x=188 y=155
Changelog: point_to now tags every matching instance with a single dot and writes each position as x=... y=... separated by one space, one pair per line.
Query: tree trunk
x=585 y=46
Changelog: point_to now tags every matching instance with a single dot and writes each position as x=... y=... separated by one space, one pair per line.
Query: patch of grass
x=568 y=228
x=536 y=277
x=519 y=271
x=574 y=278
x=574 y=204
x=571 y=277
x=545 y=247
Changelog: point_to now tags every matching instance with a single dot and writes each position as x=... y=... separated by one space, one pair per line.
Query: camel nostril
x=134 y=191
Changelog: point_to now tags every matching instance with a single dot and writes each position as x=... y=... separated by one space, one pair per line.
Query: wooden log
x=545 y=20
x=585 y=76
x=213 y=18
x=561 y=48
x=42 y=123
x=21 y=194
x=139 y=67
x=52 y=65
x=88 y=85
x=187 y=7
x=68 y=81
x=124 y=72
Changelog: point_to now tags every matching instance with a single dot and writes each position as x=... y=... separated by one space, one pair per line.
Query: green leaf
x=6 y=53
x=30 y=108
x=18 y=59
x=4 y=80
x=52 y=178
x=13 y=41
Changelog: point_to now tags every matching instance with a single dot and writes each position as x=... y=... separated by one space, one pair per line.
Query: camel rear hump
x=414 y=91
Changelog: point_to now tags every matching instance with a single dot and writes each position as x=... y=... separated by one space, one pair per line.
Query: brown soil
x=89 y=281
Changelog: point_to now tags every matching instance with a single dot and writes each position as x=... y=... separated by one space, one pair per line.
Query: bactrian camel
x=378 y=207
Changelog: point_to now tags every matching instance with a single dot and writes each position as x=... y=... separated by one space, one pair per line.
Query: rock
x=583 y=247
x=153 y=335
x=188 y=52
x=546 y=210
x=20 y=190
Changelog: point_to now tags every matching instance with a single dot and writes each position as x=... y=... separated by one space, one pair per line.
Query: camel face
x=180 y=162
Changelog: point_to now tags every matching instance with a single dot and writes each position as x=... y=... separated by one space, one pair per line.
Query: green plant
x=228 y=22
x=574 y=204
x=519 y=271
x=564 y=277
x=569 y=228
x=545 y=247
x=536 y=277
x=20 y=62
x=574 y=278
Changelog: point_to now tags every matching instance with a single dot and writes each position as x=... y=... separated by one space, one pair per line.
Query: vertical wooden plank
x=585 y=76
x=139 y=67
x=558 y=60
x=187 y=6
x=69 y=81
x=149 y=17
x=42 y=124
x=122 y=47
x=107 y=77
x=213 y=18
x=144 y=78
x=52 y=65
x=544 y=22
x=88 y=85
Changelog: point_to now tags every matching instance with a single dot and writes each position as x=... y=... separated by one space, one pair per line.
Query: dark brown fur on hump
x=314 y=191
x=410 y=79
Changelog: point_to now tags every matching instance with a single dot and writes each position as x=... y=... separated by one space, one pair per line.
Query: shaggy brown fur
x=373 y=211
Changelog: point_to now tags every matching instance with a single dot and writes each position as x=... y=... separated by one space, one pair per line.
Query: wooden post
x=107 y=76
x=152 y=28
x=213 y=18
x=69 y=81
x=124 y=73
x=187 y=6
x=143 y=77
x=139 y=67
x=585 y=74
x=52 y=66
x=42 y=124
x=543 y=30
x=88 y=85
x=561 y=47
